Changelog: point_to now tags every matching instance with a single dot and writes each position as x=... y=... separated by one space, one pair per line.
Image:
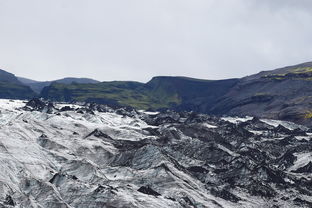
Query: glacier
x=88 y=155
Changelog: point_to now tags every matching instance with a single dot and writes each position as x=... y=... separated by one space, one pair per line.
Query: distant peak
x=180 y=78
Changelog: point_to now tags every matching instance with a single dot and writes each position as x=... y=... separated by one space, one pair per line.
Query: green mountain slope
x=194 y=94
x=161 y=92
x=12 y=88
x=132 y=94
x=37 y=86
x=284 y=93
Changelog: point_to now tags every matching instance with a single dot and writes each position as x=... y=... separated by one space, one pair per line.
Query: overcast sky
x=139 y=39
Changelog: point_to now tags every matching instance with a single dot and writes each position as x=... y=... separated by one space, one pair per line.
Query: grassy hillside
x=132 y=94
x=12 y=88
x=178 y=93
x=37 y=86
x=15 y=91
x=284 y=93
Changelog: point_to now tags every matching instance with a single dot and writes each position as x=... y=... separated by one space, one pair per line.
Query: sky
x=138 y=39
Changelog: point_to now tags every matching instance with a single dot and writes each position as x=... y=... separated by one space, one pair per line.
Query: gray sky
x=139 y=39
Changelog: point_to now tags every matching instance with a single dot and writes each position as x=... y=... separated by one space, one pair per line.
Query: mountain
x=11 y=87
x=37 y=86
x=26 y=81
x=193 y=94
x=8 y=77
x=283 y=93
x=69 y=155
x=116 y=93
x=161 y=92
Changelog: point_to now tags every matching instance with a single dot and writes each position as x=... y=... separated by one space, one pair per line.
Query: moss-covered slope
x=161 y=92
x=132 y=94
x=11 y=88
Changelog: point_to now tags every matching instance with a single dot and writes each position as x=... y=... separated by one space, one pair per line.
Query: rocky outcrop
x=37 y=104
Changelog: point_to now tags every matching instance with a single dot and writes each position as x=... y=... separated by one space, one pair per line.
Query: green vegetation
x=275 y=76
x=301 y=70
x=15 y=90
x=132 y=94
x=308 y=115
x=11 y=88
x=159 y=93
x=300 y=73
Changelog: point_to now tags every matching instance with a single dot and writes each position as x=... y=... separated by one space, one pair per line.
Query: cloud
x=138 y=39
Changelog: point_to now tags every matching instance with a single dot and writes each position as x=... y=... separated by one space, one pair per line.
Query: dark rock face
x=98 y=133
x=37 y=104
x=302 y=203
x=148 y=190
x=9 y=201
x=66 y=108
x=224 y=194
x=277 y=94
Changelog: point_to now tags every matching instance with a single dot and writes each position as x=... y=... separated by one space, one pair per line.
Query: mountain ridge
x=37 y=86
x=12 y=88
x=283 y=93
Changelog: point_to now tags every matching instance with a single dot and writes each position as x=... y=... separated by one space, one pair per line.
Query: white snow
x=237 y=120
x=227 y=150
x=210 y=126
x=302 y=160
x=272 y=122
x=286 y=124
x=34 y=146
